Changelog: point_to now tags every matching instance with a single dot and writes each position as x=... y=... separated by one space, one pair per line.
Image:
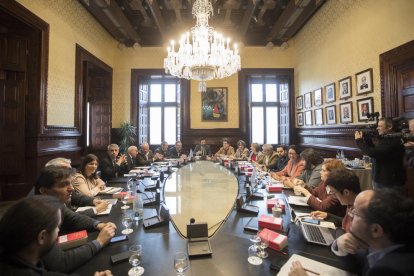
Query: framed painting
x=214 y=104
x=299 y=118
x=345 y=88
x=317 y=97
x=330 y=93
x=346 y=112
x=330 y=112
x=364 y=82
x=299 y=102
x=365 y=106
x=308 y=117
x=318 y=117
x=308 y=100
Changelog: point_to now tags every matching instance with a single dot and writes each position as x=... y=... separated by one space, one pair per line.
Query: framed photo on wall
x=308 y=100
x=214 y=104
x=330 y=112
x=345 y=111
x=308 y=118
x=345 y=88
x=299 y=102
x=318 y=117
x=318 y=97
x=330 y=93
x=364 y=82
x=365 y=106
x=299 y=119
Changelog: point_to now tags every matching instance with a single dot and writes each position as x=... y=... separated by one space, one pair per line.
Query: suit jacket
x=109 y=170
x=387 y=160
x=207 y=150
x=312 y=177
x=397 y=262
x=173 y=153
x=292 y=170
x=321 y=200
x=166 y=153
x=142 y=159
x=79 y=200
x=131 y=162
x=243 y=155
x=272 y=163
x=228 y=152
x=281 y=163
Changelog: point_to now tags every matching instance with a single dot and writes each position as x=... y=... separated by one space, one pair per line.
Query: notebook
x=316 y=233
x=198 y=243
x=106 y=212
x=312 y=267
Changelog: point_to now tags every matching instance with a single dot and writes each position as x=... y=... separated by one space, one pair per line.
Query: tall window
x=267 y=108
x=159 y=111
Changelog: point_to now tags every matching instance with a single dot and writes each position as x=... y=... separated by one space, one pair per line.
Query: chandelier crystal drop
x=206 y=56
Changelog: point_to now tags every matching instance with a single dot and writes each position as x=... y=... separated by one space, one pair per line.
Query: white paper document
x=312 y=267
x=298 y=200
x=111 y=190
x=106 y=212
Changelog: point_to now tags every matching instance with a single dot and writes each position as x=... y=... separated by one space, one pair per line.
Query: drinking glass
x=264 y=243
x=135 y=260
x=256 y=240
x=127 y=223
x=125 y=199
x=253 y=258
x=181 y=263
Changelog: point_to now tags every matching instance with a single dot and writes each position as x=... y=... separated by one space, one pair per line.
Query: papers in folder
x=298 y=200
x=312 y=267
x=110 y=190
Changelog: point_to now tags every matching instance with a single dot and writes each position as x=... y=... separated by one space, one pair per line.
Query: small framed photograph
x=318 y=117
x=299 y=102
x=299 y=118
x=308 y=117
x=345 y=88
x=308 y=100
x=318 y=97
x=330 y=112
x=345 y=111
x=364 y=81
x=365 y=106
x=330 y=93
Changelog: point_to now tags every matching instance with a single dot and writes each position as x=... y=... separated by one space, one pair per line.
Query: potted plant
x=127 y=136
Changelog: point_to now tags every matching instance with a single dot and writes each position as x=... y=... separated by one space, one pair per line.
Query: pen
x=310 y=271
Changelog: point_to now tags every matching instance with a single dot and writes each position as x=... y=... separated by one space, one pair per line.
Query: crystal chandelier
x=208 y=56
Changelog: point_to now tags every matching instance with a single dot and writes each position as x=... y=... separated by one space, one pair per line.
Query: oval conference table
x=206 y=192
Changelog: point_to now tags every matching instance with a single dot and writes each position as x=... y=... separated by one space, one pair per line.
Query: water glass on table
x=181 y=263
x=135 y=260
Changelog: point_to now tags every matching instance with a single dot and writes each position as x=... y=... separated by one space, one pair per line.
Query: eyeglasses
x=353 y=212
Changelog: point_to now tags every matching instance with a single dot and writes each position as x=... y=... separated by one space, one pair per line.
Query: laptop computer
x=316 y=234
x=198 y=243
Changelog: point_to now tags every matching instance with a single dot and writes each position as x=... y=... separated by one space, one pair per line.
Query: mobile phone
x=311 y=221
x=119 y=238
x=120 y=257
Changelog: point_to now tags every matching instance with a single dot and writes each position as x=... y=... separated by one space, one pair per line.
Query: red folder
x=274 y=188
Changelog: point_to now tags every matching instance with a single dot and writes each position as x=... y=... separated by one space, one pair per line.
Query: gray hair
x=59 y=162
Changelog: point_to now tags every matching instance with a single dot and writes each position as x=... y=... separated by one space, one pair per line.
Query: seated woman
x=242 y=153
x=311 y=175
x=294 y=166
x=255 y=153
x=86 y=181
x=320 y=197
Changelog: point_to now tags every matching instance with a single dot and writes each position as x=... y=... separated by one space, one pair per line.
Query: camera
x=370 y=131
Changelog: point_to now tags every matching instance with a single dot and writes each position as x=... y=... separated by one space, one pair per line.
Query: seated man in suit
x=177 y=151
x=226 y=150
x=202 y=149
x=55 y=181
x=131 y=157
x=281 y=152
x=162 y=151
x=269 y=159
x=28 y=231
x=145 y=156
x=112 y=166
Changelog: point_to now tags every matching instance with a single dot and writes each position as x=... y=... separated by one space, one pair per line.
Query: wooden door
x=12 y=106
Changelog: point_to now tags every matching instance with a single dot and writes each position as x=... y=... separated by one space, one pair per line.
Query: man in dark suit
x=202 y=149
x=162 y=151
x=177 y=151
x=113 y=166
x=131 y=157
x=145 y=156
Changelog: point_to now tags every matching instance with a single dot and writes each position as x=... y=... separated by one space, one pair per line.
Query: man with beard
x=55 y=181
x=28 y=231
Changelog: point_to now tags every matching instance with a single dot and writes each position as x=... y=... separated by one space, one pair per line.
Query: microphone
x=192 y=221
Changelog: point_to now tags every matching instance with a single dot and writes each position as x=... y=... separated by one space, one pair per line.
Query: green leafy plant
x=127 y=135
